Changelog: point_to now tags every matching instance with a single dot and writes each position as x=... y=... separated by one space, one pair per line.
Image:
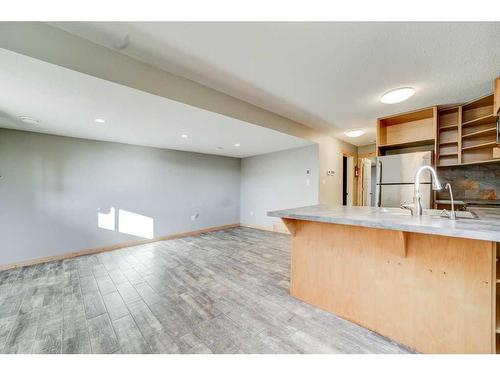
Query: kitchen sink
x=427 y=212
x=394 y=211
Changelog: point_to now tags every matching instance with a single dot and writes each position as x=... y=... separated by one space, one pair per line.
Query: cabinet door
x=496 y=105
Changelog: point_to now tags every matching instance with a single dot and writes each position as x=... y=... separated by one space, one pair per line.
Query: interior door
x=366 y=172
x=350 y=181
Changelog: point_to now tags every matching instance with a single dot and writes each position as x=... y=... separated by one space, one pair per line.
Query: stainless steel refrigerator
x=396 y=177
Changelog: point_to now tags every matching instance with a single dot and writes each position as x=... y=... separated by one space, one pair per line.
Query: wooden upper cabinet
x=462 y=134
x=406 y=130
x=496 y=106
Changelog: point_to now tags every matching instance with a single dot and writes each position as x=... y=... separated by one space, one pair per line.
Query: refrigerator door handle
x=379 y=183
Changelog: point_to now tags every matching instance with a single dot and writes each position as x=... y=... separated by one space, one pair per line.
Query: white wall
x=366 y=149
x=330 y=158
x=53 y=188
x=277 y=181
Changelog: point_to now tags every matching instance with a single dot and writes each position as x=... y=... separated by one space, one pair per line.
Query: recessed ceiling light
x=29 y=120
x=397 y=95
x=219 y=148
x=236 y=145
x=184 y=136
x=355 y=133
x=100 y=120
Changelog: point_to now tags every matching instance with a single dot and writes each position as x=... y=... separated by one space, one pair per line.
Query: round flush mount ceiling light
x=100 y=120
x=29 y=120
x=354 y=133
x=236 y=145
x=184 y=136
x=397 y=95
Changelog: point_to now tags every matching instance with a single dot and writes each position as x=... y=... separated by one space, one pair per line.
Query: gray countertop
x=485 y=227
x=471 y=202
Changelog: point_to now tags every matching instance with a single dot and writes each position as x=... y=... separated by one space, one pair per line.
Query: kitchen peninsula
x=426 y=282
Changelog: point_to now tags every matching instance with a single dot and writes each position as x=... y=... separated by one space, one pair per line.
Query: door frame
x=359 y=184
x=355 y=180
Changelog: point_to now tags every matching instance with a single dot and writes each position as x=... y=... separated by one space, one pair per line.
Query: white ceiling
x=67 y=103
x=324 y=75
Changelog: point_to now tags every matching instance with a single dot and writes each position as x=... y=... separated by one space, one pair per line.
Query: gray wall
x=52 y=189
x=277 y=181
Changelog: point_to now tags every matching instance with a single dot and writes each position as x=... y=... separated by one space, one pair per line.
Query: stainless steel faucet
x=451 y=215
x=436 y=185
x=406 y=206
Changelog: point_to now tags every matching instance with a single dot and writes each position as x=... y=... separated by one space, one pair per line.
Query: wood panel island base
x=433 y=293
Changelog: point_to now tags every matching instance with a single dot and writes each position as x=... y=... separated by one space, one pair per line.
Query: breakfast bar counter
x=427 y=282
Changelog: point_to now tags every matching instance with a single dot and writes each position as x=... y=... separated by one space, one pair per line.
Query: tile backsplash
x=472 y=182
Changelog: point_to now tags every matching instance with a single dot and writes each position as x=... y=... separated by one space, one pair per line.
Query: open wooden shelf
x=479 y=146
x=474 y=162
x=481 y=102
x=460 y=134
x=488 y=119
x=396 y=145
x=448 y=164
x=496 y=96
x=480 y=132
x=482 y=162
x=407 y=130
x=447 y=110
x=448 y=117
x=447 y=156
x=448 y=136
x=448 y=127
x=477 y=110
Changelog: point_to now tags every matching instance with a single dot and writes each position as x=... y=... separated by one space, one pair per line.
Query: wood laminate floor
x=222 y=292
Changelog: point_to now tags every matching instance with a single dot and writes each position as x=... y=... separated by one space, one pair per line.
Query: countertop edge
x=423 y=229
